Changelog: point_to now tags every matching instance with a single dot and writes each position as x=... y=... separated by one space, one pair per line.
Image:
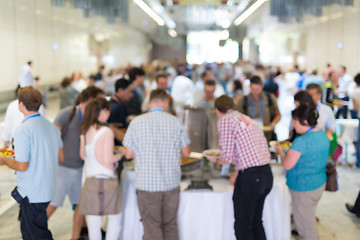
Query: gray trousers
x=158 y=211
x=304 y=211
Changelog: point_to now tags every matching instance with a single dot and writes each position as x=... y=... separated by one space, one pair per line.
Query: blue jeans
x=33 y=221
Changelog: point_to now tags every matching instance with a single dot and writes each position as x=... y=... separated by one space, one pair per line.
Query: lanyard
x=309 y=129
x=157 y=109
x=31 y=116
x=116 y=99
x=252 y=108
x=80 y=115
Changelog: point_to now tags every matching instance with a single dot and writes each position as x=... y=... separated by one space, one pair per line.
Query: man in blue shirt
x=38 y=148
x=118 y=111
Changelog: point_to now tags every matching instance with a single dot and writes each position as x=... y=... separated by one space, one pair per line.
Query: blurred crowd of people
x=90 y=127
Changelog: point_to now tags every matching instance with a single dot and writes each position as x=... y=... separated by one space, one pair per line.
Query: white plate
x=206 y=153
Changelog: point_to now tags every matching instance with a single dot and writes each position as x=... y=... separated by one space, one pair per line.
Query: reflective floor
x=335 y=221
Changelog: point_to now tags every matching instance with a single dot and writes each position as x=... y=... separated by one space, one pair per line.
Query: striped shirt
x=241 y=141
x=156 y=138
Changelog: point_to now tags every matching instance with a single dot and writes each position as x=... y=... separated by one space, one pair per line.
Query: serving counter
x=209 y=215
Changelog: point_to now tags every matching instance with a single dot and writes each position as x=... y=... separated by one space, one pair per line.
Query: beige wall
x=28 y=28
x=315 y=40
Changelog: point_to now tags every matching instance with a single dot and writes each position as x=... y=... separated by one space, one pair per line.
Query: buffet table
x=207 y=214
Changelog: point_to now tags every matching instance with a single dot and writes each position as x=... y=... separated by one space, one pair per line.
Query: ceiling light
x=172 y=33
x=249 y=11
x=150 y=12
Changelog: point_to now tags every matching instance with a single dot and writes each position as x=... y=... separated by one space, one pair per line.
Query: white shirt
x=326 y=117
x=355 y=95
x=13 y=119
x=344 y=82
x=79 y=85
x=25 y=77
x=182 y=90
x=246 y=87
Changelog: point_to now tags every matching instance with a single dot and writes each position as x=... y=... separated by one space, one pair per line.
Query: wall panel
x=29 y=28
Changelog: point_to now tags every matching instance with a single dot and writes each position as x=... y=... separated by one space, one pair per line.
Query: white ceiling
x=189 y=15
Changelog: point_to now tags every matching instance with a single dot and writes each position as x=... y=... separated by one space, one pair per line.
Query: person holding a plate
x=38 y=148
x=243 y=142
x=305 y=163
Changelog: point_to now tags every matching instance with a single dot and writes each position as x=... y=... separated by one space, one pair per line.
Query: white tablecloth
x=347 y=129
x=210 y=215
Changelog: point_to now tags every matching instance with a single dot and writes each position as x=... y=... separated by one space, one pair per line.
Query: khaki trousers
x=304 y=211
x=158 y=211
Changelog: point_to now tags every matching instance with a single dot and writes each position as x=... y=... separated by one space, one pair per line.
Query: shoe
x=350 y=208
x=294 y=232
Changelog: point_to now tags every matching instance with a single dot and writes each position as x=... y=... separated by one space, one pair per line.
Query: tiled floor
x=335 y=221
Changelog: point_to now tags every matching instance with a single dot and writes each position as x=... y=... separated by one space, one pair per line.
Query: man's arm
x=119 y=133
x=61 y=155
x=276 y=119
x=129 y=154
x=185 y=151
x=13 y=164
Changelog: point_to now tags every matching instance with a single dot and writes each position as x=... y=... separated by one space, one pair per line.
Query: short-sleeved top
x=326 y=117
x=308 y=173
x=133 y=105
x=37 y=141
x=118 y=112
x=267 y=111
x=242 y=141
x=71 y=138
x=355 y=95
x=156 y=138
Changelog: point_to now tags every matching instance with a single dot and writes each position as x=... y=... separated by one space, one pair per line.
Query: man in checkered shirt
x=156 y=140
x=243 y=142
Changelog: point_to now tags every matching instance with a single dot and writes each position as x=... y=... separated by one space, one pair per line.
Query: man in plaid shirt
x=156 y=140
x=243 y=142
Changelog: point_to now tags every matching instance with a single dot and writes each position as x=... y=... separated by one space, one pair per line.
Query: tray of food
x=285 y=145
x=190 y=164
x=7 y=152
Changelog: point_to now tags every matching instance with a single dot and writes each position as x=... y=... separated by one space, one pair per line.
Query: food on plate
x=119 y=148
x=213 y=153
x=285 y=144
x=6 y=152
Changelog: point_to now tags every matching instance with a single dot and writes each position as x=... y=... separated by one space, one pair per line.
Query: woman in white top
x=96 y=148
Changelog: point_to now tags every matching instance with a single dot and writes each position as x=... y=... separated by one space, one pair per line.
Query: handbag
x=100 y=196
x=331 y=173
x=337 y=152
x=331 y=178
